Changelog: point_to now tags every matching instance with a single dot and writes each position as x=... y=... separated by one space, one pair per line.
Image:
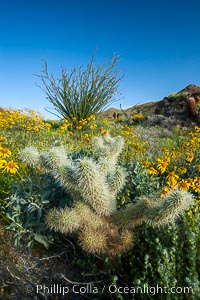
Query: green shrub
x=166 y=257
x=79 y=93
x=27 y=206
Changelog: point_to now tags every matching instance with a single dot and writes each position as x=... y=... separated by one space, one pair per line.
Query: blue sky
x=158 y=42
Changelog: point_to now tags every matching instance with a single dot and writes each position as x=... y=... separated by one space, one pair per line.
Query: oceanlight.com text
x=58 y=289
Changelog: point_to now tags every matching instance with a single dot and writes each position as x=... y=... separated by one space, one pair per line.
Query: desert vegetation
x=94 y=201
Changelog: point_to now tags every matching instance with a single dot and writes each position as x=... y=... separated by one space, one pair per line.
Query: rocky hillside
x=183 y=106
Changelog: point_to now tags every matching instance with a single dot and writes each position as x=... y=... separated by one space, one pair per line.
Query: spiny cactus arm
x=107 y=150
x=93 y=187
x=65 y=176
x=64 y=220
x=107 y=163
x=105 y=240
x=102 y=142
x=117 y=146
x=119 y=243
x=130 y=216
x=93 y=241
x=114 y=143
x=30 y=156
x=56 y=162
x=169 y=208
x=54 y=158
x=98 y=144
x=70 y=219
x=116 y=180
x=89 y=219
x=107 y=139
x=158 y=212
x=127 y=239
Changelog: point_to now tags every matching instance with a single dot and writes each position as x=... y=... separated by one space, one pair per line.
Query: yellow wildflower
x=145 y=163
x=164 y=191
x=103 y=130
x=183 y=170
x=4 y=152
x=184 y=185
x=197 y=179
x=197 y=187
x=172 y=179
x=166 y=151
x=36 y=128
x=82 y=122
x=162 y=165
x=86 y=137
x=93 y=126
x=11 y=167
x=174 y=154
x=64 y=126
x=3 y=162
x=71 y=133
x=190 y=157
x=90 y=118
x=153 y=171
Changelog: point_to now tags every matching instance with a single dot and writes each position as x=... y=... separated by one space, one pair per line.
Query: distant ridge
x=171 y=105
x=191 y=88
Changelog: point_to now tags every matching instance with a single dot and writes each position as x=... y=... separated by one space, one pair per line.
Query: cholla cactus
x=94 y=184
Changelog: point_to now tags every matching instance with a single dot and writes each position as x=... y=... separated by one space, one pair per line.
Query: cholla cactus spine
x=94 y=188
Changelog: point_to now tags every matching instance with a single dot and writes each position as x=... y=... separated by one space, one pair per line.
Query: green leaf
x=42 y=240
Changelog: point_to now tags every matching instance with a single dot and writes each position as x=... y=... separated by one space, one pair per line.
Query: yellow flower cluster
x=81 y=126
x=179 y=169
x=86 y=137
x=6 y=164
x=162 y=164
x=135 y=117
x=20 y=119
x=133 y=142
x=103 y=130
x=75 y=124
